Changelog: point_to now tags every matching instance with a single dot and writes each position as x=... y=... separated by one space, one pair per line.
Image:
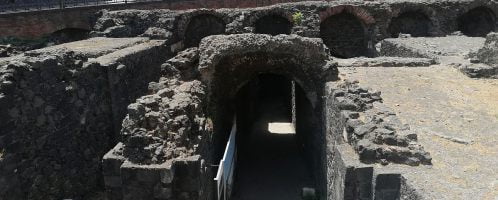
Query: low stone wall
x=351 y=170
x=59 y=113
x=164 y=136
x=487 y=57
x=377 y=135
x=386 y=62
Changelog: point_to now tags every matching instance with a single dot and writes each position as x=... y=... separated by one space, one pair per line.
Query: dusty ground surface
x=441 y=46
x=456 y=119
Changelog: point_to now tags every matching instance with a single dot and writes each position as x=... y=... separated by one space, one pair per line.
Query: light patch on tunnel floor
x=281 y=128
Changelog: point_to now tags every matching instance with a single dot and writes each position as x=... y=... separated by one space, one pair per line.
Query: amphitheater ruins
x=251 y=100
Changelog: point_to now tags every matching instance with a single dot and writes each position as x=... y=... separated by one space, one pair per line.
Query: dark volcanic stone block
x=387 y=186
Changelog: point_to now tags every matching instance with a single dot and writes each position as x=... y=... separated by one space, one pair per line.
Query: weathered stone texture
x=372 y=21
x=386 y=62
x=227 y=62
x=57 y=115
x=164 y=132
x=63 y=106
x=172 y=124
x=489 y=53
x=488 y=58
x=172 y=120
x=373 y=129
x=57 y=125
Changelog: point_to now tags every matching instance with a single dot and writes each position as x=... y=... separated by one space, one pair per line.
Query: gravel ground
x=456 y=119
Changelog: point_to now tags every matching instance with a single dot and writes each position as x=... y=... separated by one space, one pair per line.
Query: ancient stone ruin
x=306 y=100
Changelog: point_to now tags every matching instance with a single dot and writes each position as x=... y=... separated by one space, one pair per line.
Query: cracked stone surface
x=456 y=119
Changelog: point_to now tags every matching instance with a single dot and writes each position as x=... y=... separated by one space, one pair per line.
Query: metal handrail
x=225 y=175
x=17 y=6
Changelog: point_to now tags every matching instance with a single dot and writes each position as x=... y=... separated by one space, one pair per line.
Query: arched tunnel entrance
x=272 y=162
x=273 y=25
x=414 y=23
x=345 y=35
x=279 y=137
x=201 y=26
x=477 y=22
x=280 y=132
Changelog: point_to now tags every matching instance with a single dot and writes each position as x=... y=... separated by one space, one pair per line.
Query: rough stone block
x=387 y=186
x=142 y=181
x=112 y=181
x=187 y=173
x=111 y=163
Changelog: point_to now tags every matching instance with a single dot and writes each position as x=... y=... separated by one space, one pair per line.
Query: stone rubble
x=374 y=130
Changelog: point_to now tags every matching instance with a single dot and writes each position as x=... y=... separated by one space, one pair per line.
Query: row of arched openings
x=344 y=33
x=204 y=25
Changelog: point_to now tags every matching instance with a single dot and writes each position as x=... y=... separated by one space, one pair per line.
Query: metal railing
x=16 y=6
x=225 y=175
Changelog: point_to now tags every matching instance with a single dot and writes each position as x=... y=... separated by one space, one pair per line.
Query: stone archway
x=200 y=26
x=477 y=22
x=345 y=35
x=227 y=63
x=415 y=23
x=273 y=25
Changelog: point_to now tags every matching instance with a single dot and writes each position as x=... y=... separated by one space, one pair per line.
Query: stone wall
x=372 y=21
x=351 y=169
x=489 y=53
x=36 y=24
x=180 y=129
x=59 y=110
x=373 y=129
x=165 y=139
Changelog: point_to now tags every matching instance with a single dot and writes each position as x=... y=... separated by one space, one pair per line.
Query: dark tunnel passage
x=273 y=25
x=272 y=162
x=344 y=34
x=201 y=26
x=68 y=35
x=477 y=22
x=414 y=23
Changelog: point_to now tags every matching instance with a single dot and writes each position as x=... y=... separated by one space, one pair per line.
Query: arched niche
x=200 y=26
x=415 y=23
x=345 y=35
x=477 y=22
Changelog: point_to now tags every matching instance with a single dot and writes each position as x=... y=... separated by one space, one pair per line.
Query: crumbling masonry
x=143 y=109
